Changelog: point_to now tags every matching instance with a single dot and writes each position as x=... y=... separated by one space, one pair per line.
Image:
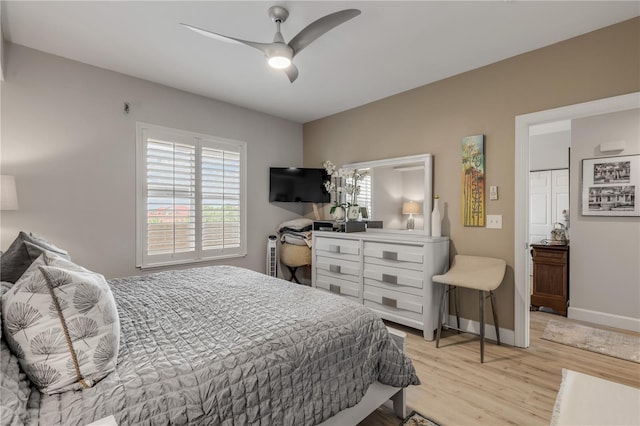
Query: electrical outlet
x=494 y=221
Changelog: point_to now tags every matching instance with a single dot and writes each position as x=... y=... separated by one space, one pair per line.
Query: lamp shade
x=410 y=208
x=8 y=194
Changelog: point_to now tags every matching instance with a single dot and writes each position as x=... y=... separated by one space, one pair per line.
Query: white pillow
x=61 y=321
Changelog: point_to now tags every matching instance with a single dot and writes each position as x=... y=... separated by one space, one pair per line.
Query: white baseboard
x=602 y=318
x=506 y=336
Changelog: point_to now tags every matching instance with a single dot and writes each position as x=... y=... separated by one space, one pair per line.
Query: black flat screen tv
x=298 y=185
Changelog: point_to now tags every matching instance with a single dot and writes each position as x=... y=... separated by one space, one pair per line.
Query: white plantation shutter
x=170 y=196
x=364 y=197
x=221 y=196
x=190 y=197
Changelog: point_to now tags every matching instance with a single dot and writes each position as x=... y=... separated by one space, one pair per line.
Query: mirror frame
x=426 y=160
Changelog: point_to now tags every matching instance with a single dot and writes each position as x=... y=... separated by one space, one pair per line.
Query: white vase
x=436 y=220
x=338 y=213
x=353 y=212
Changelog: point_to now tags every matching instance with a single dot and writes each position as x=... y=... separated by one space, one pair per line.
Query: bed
x=225 y=345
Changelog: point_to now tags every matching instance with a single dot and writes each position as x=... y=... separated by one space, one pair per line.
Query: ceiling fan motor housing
x=278 y=13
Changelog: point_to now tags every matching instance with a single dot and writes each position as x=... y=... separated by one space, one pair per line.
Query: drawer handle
x=334 y=249
x=334 y=288
x=391 y=279
x=389 y=302
x=335 y=268
x=389 y=255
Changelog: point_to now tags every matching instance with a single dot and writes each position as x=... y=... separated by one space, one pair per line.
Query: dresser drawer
x=338 y=286
x=337 y=248
x=392 y=278
x=550 y=256
x=393 y=302
x=400 y=255
x=338 y=268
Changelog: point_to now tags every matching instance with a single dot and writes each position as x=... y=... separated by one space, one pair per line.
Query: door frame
x=522 y=297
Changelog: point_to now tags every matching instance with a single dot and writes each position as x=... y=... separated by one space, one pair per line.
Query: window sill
x=190 y=261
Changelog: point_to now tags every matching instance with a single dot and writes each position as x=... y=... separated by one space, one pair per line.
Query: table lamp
x=410 y=208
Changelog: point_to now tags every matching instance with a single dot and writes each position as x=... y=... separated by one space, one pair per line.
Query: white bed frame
x=377 y=395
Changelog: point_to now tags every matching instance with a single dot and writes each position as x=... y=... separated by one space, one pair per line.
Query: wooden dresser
x=550 y=277
x=388 y=271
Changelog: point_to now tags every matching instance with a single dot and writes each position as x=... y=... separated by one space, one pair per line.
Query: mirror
x=396 y=181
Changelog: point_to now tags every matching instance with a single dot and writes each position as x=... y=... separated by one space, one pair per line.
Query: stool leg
x=495 y=315
x=481 y=325
x=293 y=274
x=456 y=302
x=441 y=313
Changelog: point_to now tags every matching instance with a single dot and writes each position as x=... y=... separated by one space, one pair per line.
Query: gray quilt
x=225 y=345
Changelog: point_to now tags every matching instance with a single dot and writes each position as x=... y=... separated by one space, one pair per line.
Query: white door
x=559 y=194
x=540 y=220
x=548 y=198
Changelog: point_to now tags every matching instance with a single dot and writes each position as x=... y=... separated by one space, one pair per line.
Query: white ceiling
x=391 y=47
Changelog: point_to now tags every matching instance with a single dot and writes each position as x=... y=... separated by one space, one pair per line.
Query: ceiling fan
x=280 y=54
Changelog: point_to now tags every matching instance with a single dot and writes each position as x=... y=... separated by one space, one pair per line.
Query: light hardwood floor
x=513 y=387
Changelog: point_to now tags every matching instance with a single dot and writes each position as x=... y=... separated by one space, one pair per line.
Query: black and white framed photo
x=610 y=186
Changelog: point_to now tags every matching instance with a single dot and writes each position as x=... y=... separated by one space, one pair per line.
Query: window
x=364 y=197
x=191 y=197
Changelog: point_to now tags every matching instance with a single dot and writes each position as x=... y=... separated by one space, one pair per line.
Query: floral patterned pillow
x=61 y=321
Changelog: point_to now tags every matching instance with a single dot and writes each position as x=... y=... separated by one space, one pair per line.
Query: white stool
x=477 y=273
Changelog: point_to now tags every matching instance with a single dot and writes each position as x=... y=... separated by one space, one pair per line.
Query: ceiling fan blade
x=292 y=72
x=263 y=47
x=319 y=27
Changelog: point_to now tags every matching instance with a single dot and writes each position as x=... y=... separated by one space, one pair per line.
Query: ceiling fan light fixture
x=279 y=53
x=279 y=62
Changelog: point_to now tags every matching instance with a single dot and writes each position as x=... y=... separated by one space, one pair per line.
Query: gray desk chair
x=484 y=274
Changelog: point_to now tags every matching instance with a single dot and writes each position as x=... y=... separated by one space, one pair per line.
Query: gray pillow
x=62 y=322
x=20 y=255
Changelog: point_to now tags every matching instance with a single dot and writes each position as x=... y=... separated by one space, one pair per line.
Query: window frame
x=199 y=141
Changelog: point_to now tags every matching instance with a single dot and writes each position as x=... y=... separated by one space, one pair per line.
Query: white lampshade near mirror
x=410 y=208
x=8 y=193
x=396 y=181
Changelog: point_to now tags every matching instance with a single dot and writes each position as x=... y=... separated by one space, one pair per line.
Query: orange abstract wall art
x=473 y=180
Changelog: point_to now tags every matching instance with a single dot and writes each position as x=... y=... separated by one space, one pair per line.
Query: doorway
x=549 y=146
x=523 y=123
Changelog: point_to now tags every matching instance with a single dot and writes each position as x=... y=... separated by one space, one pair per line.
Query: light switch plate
x=494 y=221
x=493 y=192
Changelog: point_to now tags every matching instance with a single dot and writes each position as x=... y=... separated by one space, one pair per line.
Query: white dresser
x=388 y=271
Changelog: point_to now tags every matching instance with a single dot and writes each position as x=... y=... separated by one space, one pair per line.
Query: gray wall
x=549 y=151
x=72 y=149
x=604 y=269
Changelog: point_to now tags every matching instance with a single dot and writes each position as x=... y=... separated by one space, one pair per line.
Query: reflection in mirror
x=395 y=181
